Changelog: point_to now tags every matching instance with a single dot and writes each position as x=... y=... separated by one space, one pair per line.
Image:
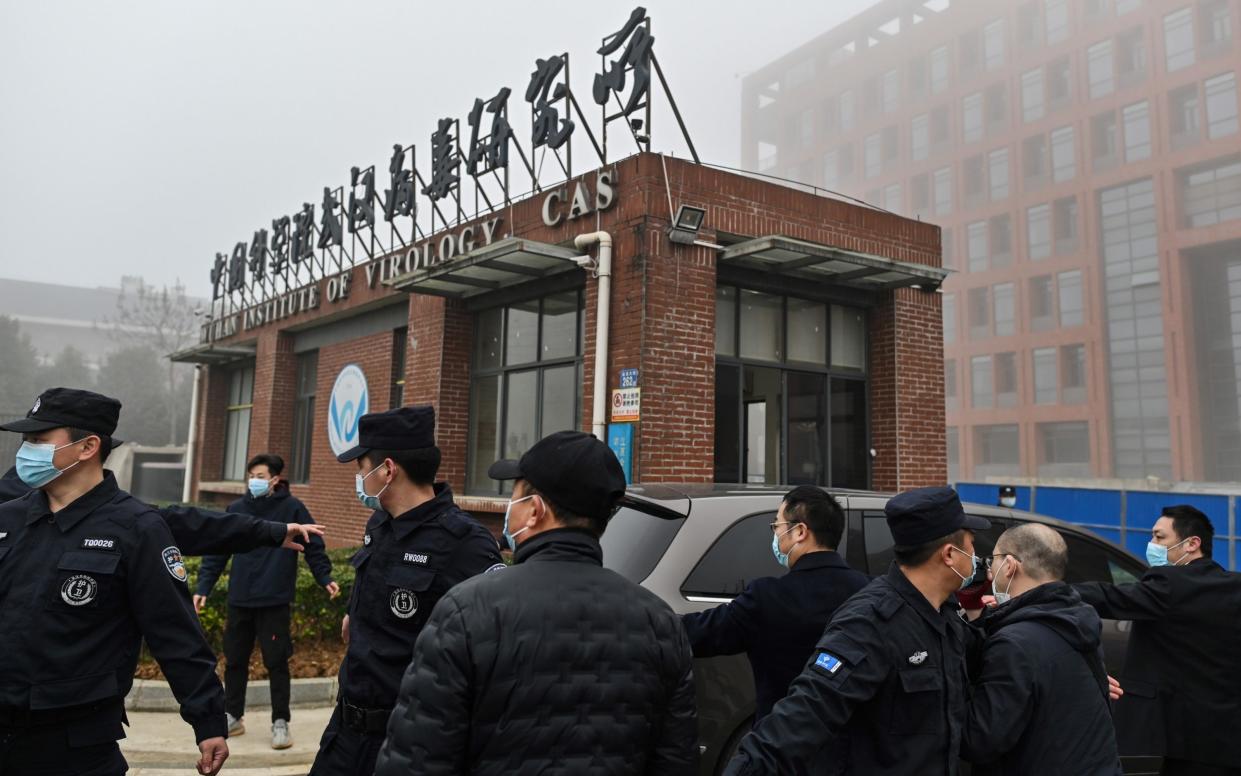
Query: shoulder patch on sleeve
x=827 y=662
x=175 y=565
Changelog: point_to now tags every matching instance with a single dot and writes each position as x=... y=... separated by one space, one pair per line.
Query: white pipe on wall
x=602 y=320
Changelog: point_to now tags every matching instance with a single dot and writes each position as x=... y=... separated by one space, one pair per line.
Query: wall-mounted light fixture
x=686 y=223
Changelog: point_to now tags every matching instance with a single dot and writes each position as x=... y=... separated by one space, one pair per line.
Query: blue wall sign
x=348 y=402
x=620 y=439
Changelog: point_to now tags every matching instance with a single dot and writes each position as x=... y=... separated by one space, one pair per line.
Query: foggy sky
x=142 y=137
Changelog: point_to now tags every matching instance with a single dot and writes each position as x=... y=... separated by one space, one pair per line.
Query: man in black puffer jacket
x=555 y=666
x=1039 y=702
x=261 y=589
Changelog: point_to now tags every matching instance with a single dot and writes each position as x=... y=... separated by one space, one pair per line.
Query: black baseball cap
x=70 y=408
x=573 y=469
x=920 y=515
x=404 y=428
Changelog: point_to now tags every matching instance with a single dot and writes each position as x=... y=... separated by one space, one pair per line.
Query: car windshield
x=635 y=541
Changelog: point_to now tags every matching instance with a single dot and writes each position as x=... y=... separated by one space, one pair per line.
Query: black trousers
x=1174 y=767
x=270 y=626
x=79 y=748
x=344 y=751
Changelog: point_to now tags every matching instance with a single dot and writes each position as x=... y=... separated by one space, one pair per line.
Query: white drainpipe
x=192 y=437
x=602 y=320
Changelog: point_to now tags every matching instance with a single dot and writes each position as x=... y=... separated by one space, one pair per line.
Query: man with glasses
x=776 y=621
x=1041 y=670
x=885 y=690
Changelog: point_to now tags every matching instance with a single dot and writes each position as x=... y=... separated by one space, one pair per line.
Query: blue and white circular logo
x=348 y=403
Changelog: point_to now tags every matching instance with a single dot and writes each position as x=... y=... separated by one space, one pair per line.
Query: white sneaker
x=235 y=726
x=280 y=735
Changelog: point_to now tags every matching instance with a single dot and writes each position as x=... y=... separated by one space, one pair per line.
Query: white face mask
x=1001 y=597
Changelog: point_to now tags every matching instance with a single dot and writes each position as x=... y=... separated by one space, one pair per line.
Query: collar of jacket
x=913 y=596
x=82 y=506
x=268 y=503
x=820 y=559
x=404 y=524
x=565 y=545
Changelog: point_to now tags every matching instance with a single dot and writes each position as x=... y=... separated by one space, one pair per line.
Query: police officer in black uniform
x=86 y=573
x=885 y=690
x=417 y=545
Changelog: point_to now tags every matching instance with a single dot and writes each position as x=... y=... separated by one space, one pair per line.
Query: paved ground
x=161 y=744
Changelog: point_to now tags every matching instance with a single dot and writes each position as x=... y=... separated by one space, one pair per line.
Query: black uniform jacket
x=405 y=565
x=554 y=666
x=1042 y=674
x=883 y=693
x=266 y=576
x=196 y=531
x=776 y=621
x=1182 y=674
x=79 y=591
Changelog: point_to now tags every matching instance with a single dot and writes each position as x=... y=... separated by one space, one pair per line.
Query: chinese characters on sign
x=626 y=405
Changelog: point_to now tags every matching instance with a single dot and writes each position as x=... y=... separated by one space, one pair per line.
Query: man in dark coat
x=1041 y=671
x=261 y=589
x=885 y=692
x=554 y=666
x=1182 y=674
x=777 y=621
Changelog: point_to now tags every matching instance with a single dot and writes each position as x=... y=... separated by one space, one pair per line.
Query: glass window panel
x=1178 y=37
x=1137 y=131
x=939 y=69
x=484 y=432
x=1071 y=303
x=1006 y=379
x=1046 y=381
x=1056 y=14
x=727 y=423
x=559 y=399
x=1032 y=95
x=560 y=325
x=1005 y=310
x=971 y=122
x=848 y=338
x=950 y=318
x=807 y=331
x=1063 y=154
x=807 y=446
x=982 y=382
x=976 y=246
x=489 y=328
x=763 y=419
x=521 y=402
x=850 y=454
x=762 y=326
x=1221 y=99
x=726 y=320
x=1101 y=69
x=998 y=163
x=1038 y=231
x=993 y=44
x=522 y=333
x=943 y=191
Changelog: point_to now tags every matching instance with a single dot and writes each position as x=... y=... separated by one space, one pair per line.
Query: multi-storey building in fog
x=1084 y=162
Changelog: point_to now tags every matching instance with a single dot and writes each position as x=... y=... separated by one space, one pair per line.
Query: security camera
x=585 y=261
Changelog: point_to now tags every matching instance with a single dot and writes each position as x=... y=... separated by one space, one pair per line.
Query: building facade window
x=1064 y=211
x=1073 y=374
x=1063 y=448
x=304 y=415
x=1063 y=154
x=971 y=117
x=525 y=382
x=949 y=309
x=979 y=313
x=1034 y=162
x=1038 y=232
x=976 y=246
x=997 y=163
x=1059 y=83
x=1100 y=67
x=792 y=406
x=892 y=198
x=237 y=422
x=1056 y=17
x=951 y=399
x=953 y=442
x=942 y=182
x=997 y=450
x=1183 y=120
x=1216 y=24
x=1072 y=310
x=1178 y=39
x=396 y=392
x=1000 y=232
x=1032 y=95
x=873 y=160
x=1046 y=381
x=1211 y=193
x=975 y=181
x=1005 y=380
x=939 y=69
x=920 y=194
x=1137 y=125
x=1103 y=145
x=920 y=136
x=1005 y=310
x=982 y=383
x=1221 y=100
x=993 y=45
x=1042 y=303
x=848 y=110
x=891 y=86
x=1131 y=56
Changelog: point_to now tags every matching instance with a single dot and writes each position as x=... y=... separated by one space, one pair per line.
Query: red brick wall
x=662 y=323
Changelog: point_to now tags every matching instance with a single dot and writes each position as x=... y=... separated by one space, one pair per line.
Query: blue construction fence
x=1123 y=517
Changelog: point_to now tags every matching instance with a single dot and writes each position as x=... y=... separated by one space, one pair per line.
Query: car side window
x=1088 y=561
x=741 y=554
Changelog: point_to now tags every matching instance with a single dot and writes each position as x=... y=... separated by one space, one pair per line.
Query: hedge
x=315 y=617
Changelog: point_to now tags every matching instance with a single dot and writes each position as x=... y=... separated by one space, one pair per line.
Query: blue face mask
x=781 y=557
x=359 y=486
x=966 y=581
x=511 y=538
x=258 y=487
x=34 y=463
x=1157 y=554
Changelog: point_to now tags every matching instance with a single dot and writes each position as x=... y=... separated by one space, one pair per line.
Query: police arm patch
x=175 y=564
x=828 y=663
